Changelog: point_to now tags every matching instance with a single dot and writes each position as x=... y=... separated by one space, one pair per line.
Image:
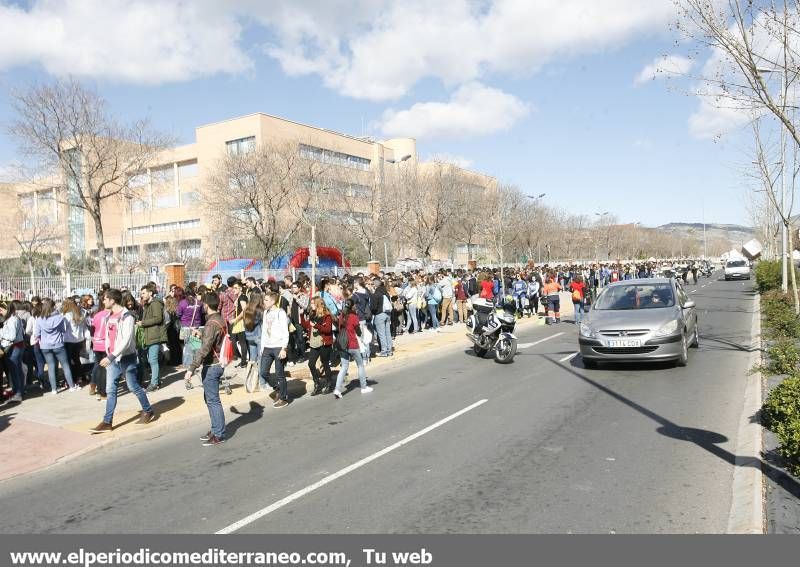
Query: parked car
x=737 y=268
x=640 y=320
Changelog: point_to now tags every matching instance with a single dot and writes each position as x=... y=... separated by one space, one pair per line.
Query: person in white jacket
x=274 y=340
x=411 y=293
x=121 y=358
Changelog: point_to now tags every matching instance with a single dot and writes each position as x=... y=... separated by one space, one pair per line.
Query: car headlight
x=588 y=331
x=669 y=329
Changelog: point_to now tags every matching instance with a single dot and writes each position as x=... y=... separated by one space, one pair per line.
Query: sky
x=588 y=101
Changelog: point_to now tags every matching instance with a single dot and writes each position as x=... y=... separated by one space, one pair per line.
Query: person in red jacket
x=319 y=325
x=348 y=323
x=578 y=289
x=487 y=289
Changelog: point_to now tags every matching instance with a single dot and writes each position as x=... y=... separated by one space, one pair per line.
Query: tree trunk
x=33 y=276
x=792 y=272
x=101 y=244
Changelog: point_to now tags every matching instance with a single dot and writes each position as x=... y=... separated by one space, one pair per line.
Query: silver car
x=639 y=320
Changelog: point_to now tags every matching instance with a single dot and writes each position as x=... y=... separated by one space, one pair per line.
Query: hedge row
x=781 y=411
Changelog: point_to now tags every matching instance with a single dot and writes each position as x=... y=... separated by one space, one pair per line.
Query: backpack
x=342 y=338
x=437 y=294
x=225 y=354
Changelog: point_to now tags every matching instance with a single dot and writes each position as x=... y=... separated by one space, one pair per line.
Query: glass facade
x=241 y=146
x=334 y=158
x=76 y=221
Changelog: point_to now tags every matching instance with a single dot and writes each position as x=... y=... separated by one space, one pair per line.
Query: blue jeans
x=13 y=364
x=383 y=322
x=126 y=365
x=252 y=351
x=211 y=375
x=152 y=352
x=579 y=311
x=50 y=355
x=188 y=353
x=411 y=317
x=433 y=316
x=268 y=355
x=355 y=354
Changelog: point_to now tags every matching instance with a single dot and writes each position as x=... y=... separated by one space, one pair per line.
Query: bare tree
x=67 y=129
x=36 y=237
x=430 y=202
x=503 y=217
x=372 y=211
x=263 y=195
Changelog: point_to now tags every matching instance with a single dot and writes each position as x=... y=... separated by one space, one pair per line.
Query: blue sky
x=550 y=103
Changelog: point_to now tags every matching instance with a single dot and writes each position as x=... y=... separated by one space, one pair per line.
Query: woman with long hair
x=191 y=315
x=173 y=328
x=12 y=341
x=75 y=336
x=50 y=331
x=348 y=323
x=253 y=316
x=319 y=325
x=411 y=295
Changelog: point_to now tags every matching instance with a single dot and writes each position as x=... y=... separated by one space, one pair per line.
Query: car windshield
x=635 y=296
x=736 y=264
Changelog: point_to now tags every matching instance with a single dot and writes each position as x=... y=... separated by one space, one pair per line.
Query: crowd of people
x=96 y=339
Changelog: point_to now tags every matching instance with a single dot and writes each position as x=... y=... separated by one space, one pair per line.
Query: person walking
x=207 y=359
x=75 y=337
x=155 y=333
x=319 y=324
x=274 y=342
x=550 y=291
x=98 y=376
x=349 y=324
x=121 y=359
x=578 y=289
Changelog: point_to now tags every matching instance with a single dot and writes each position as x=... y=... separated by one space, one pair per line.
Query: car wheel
x=696 y=337
x=588 y=363
x=684 y=358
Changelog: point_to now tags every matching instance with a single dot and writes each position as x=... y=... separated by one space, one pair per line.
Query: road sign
x=154 y=273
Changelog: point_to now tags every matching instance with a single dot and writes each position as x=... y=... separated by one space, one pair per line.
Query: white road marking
x=330 y=478
x=694 y=291
x=528 y=345
x=570 y=357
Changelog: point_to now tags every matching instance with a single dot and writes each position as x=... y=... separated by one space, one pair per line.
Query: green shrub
x=783 y=357
x=779 y=317
x=781 y=414
x=768 y=275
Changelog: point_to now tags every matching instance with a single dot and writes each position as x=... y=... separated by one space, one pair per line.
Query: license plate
x=624 y=343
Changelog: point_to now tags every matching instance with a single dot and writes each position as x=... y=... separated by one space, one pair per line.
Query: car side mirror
x=689 y=304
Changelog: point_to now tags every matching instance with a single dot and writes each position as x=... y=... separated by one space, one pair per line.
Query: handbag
x=195 y=342
x=251 y=380
x=398 y=305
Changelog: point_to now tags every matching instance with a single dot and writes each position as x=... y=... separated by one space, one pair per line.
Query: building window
x=165 y=174
x=187 y=170
x=190 y=198
x=333 y=158
x=139 y=205
x=165 y=227
x=190 y=249
x=137 y=180
x=27 y=208
x=166 y=201
x=241 y=146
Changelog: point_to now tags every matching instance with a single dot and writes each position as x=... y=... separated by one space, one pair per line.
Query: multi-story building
x=164 y=214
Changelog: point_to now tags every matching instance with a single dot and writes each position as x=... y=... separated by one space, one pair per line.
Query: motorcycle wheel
x=505 y=350
x=479 y=352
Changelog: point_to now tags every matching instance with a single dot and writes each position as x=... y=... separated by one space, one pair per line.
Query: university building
x=168 y=217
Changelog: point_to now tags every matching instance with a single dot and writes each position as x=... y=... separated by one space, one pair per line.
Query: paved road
x=554 y=448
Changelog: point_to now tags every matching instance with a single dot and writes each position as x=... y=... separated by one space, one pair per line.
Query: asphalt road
x=554 y=448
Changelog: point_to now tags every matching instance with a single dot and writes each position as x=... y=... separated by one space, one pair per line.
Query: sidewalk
x=45 y=430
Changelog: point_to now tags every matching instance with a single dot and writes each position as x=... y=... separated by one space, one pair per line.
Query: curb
x=747 y=505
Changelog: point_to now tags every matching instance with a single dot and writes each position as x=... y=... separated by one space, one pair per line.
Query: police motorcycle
x=492 y=329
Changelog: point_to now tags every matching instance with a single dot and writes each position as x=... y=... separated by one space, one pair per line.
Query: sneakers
x=101 y=427
x=273 y=395
x=280 y=404
x=207 y=436
x=366 y=390
x=16 y=398
x=214 y=440
x=75 y=388
x=337 y=394
x=146 y=417
x=52 y=393
x=152 y=387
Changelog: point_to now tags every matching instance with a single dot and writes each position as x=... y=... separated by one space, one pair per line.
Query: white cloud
x=125 y=41
x=664 y=67
x=473 y=110
x=382 y=52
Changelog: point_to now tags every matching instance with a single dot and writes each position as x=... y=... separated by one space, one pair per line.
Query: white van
x=737 y=268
